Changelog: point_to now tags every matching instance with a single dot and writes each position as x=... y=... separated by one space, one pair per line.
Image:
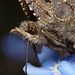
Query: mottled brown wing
x=64 y=46
x=26 y=10
x=52 y=11
x=57 y=17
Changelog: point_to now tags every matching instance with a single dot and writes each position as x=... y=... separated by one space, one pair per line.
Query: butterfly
x=50 y=23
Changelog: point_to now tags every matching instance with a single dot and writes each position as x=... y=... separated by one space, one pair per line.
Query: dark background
x=11 y=15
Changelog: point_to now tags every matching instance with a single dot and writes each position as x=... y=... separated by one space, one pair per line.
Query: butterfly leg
x=35 y=50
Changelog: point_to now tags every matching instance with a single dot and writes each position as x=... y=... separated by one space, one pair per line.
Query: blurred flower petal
x=66 y=68
x=31 y=70
x=14 y=47
x=48 y=57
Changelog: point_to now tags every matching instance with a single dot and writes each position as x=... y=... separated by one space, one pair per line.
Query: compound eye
x=33 y=29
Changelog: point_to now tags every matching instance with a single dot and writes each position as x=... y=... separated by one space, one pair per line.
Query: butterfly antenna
x=26 y=58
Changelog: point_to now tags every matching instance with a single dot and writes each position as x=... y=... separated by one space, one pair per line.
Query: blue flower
x=15 y=48
x=52 y=65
